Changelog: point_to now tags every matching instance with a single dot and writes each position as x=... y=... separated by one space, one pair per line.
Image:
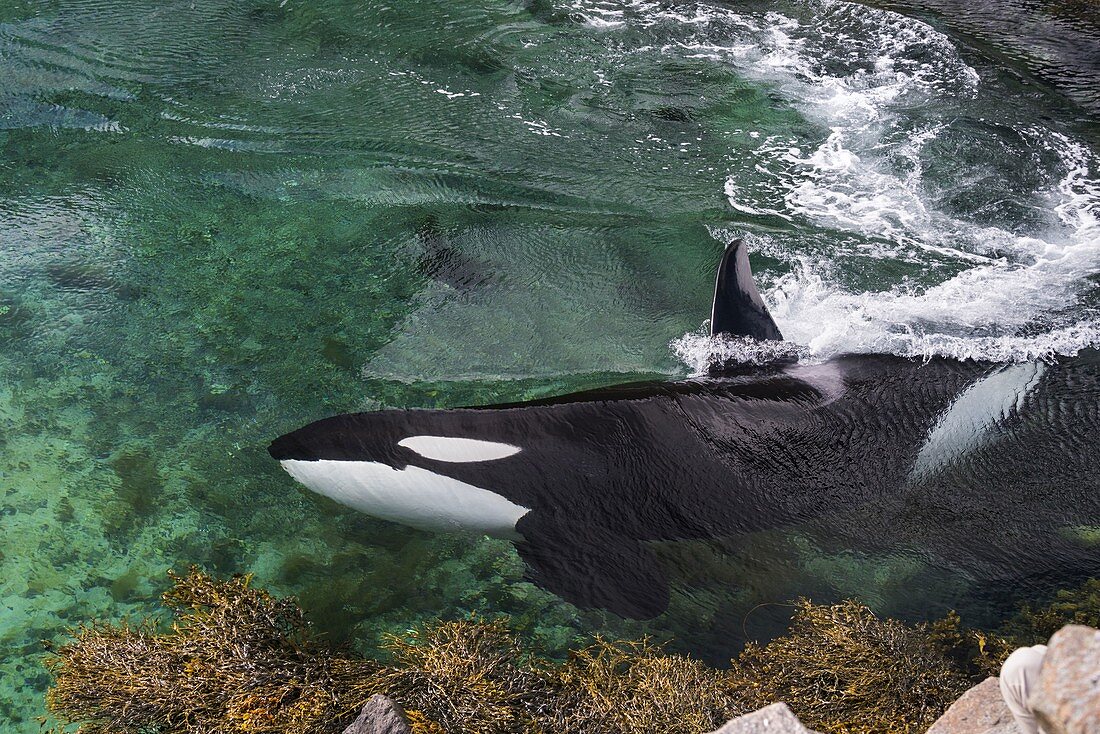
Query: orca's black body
x=924 y=450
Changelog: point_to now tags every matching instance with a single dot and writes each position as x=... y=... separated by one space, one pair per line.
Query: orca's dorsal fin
x=738 y=309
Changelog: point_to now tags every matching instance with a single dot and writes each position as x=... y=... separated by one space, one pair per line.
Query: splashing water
x=1003 y=258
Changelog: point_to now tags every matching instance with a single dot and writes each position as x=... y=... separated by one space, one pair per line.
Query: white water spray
x=884 y=90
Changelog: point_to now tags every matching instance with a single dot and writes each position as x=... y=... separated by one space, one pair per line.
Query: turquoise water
x=219 y=221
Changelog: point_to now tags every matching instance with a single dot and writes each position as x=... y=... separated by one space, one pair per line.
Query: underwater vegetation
x=235 y=658
x=1035 y=623
x=845 y=670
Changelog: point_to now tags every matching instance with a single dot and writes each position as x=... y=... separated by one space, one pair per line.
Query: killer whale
x=581 y=483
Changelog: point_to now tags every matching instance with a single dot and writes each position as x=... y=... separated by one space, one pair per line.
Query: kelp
x=236 y=659
x=469 y=675
x=982 y=653
x=842 y=669
x=636 y=686
x=1034 y=624
x=474 y=676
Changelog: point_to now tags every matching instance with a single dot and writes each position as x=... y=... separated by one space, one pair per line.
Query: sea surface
x=222 y=220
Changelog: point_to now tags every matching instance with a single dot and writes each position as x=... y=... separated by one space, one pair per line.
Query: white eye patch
x=458 y=450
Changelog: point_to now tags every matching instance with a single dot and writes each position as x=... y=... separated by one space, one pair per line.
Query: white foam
x=702 y=352
x=1015 y=308
x=892 y=86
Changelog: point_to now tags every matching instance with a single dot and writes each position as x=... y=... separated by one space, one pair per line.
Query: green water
x=212 y=223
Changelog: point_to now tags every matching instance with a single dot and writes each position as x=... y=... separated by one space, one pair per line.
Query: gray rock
x=380 y=715
x=774 y=719
x=1067 y=697
x=981 y=710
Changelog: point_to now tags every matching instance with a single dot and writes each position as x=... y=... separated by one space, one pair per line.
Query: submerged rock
x=981 y=710
x=380 y=715
x=1067 y=699
x=774 y=719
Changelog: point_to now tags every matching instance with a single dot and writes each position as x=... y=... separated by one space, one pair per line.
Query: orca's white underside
x=411 y=496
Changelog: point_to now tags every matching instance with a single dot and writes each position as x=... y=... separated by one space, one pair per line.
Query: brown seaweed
x=234 y=658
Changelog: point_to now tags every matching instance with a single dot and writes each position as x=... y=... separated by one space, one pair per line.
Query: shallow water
x=219 y=221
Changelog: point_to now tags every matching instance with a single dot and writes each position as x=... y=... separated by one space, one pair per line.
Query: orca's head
x=434 y=470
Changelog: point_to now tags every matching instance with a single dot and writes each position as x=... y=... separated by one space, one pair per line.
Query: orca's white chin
x=411 y=496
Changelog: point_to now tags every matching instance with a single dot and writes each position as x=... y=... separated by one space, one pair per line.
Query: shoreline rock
x=774 y=719
x=380 y=715
x=1067 y=699
x=981 y=710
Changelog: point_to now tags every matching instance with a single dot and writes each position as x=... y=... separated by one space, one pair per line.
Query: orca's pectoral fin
x=738 y=309
x=590 y=567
